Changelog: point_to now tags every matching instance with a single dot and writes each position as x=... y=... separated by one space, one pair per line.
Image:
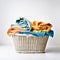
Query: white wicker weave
x=29 y=43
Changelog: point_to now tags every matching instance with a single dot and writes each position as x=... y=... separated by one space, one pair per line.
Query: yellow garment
x=41 y=26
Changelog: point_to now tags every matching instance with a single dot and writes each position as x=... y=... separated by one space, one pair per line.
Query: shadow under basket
x=29 y=43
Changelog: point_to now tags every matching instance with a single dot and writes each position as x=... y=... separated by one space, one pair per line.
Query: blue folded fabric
x=39 y=34
x=23 y=23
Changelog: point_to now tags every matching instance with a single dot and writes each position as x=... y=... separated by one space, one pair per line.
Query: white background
x=43 y=10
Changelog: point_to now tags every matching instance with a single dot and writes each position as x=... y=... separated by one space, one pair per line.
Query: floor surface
x=9 y=53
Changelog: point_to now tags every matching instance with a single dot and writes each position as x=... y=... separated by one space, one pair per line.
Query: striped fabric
x=29 y=43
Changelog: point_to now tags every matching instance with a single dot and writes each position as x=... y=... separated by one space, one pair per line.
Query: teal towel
x=39 y=34
x=23 y=23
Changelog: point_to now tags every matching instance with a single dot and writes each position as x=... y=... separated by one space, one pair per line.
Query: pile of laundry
x=36 y=28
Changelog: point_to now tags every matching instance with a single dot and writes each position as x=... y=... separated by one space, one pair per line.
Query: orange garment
x=41 y=26
x=36 y=24
x=14 y=30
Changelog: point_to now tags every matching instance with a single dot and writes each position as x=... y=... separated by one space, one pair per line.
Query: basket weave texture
x=29 y=43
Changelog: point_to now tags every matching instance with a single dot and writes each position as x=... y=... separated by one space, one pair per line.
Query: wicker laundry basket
x=29 y=43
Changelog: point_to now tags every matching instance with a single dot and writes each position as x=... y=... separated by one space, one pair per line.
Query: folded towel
x=39 y=34
x=23 y=23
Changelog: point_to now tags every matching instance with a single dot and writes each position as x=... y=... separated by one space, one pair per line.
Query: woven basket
x=29 y=43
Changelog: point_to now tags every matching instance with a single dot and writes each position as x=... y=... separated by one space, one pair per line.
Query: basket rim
x=23 y=34
x=26 y=35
